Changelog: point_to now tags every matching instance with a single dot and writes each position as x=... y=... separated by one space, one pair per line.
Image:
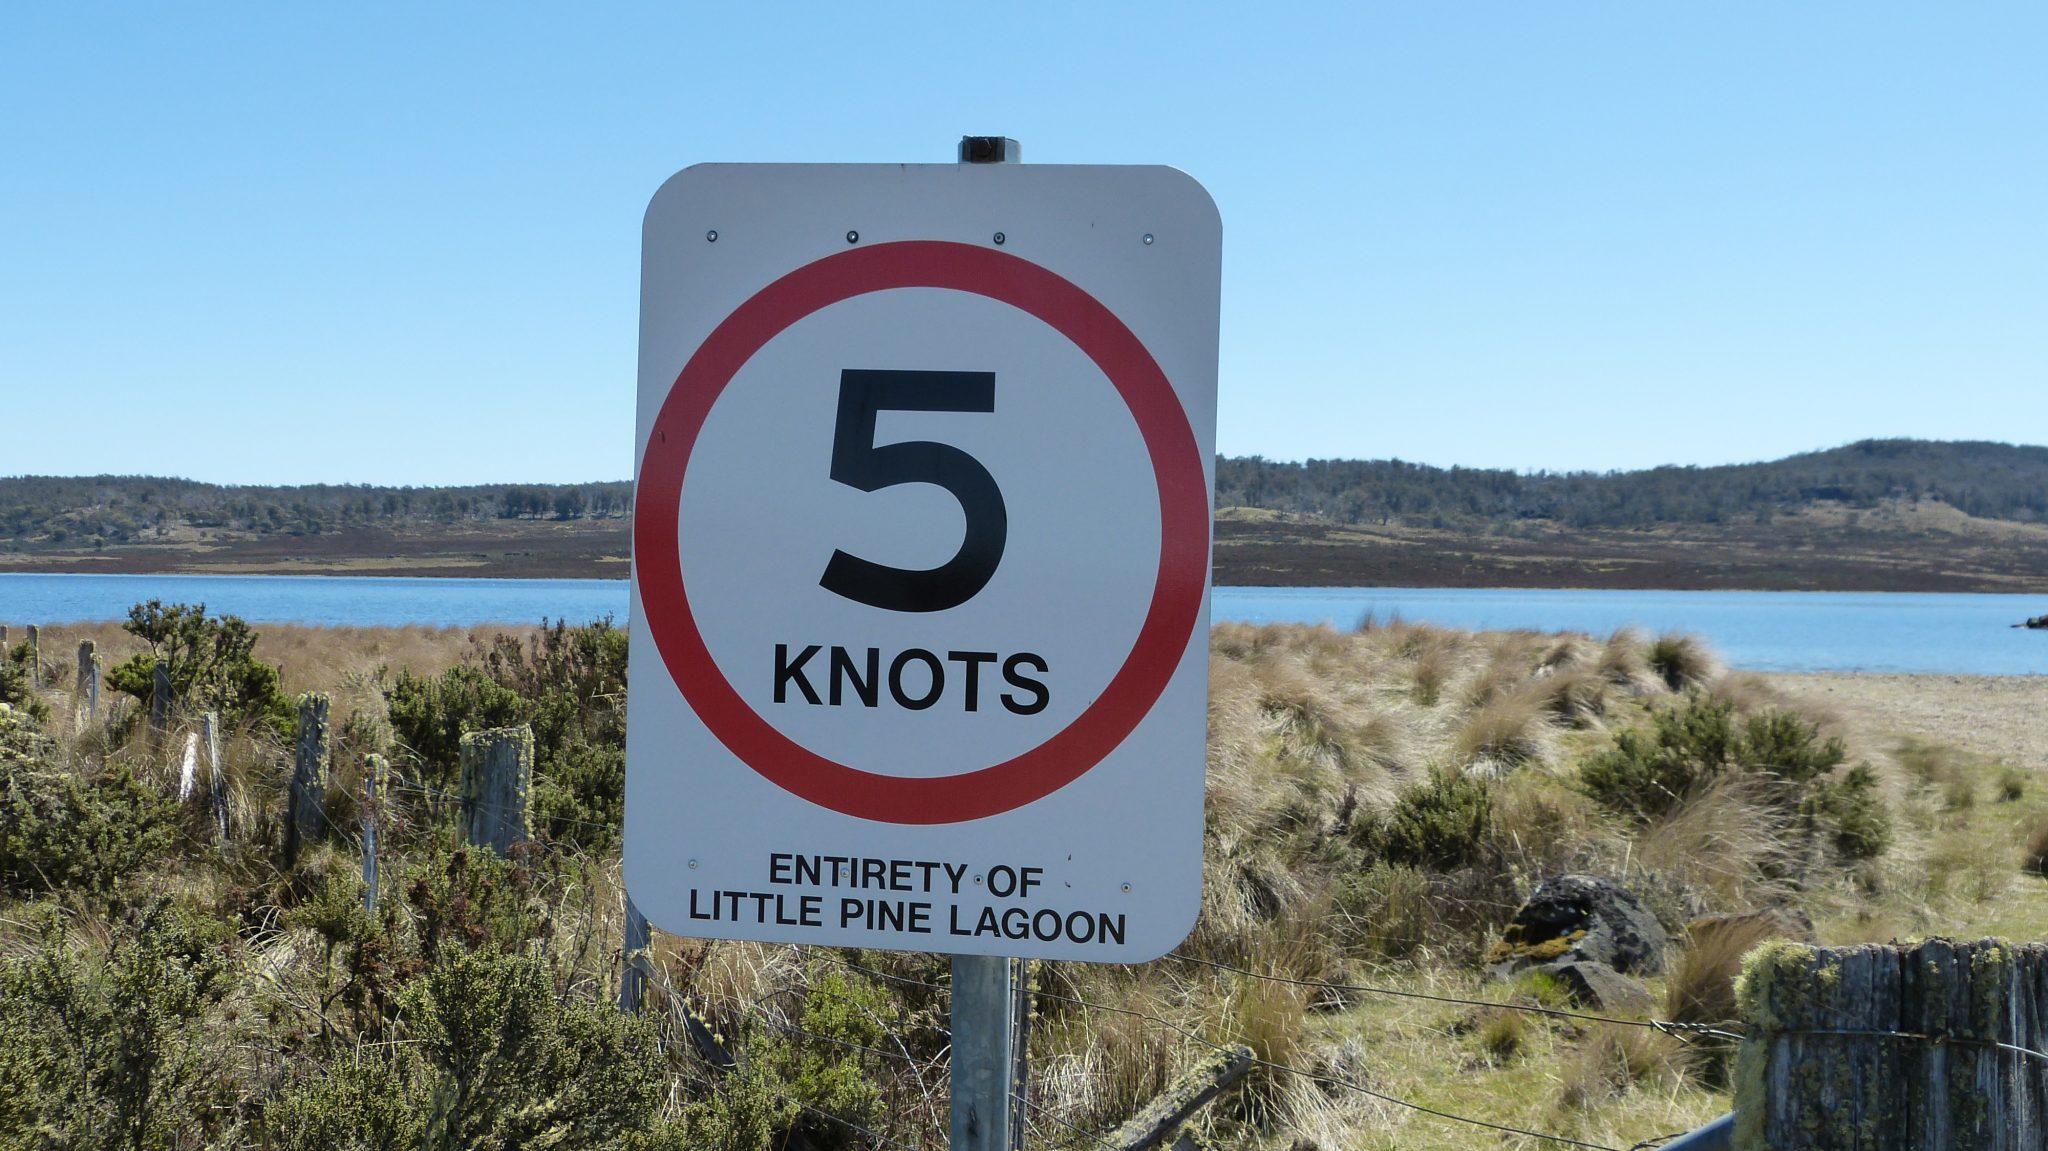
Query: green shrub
x=512 y=1065
x=470 y=900
x=1851 y=813
x=1647 y=774
x=61 y=832
x=1787 y=746
x=22 y=742
x=494 y=1059
x=803 y=1084
x=366 y=1101
x=569 y=685
x=111 y=1049
x=429 y=714
x=1440 y=823
x=210 y=662
x=17 y=683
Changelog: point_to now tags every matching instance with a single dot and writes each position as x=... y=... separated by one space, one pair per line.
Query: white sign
x=921 y=557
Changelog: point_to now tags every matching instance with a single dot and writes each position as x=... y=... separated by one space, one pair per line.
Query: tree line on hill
x=1987 y=480
x=122 y=509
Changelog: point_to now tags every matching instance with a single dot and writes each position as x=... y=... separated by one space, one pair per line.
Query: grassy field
x=1379 y=801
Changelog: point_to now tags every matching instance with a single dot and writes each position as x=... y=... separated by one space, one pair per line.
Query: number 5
x=859 y=463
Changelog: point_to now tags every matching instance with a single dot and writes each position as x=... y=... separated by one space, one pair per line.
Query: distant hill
x=102 y=510
x=1983 y=480
x=1882 y=515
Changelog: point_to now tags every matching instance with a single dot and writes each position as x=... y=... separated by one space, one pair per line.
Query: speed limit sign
x=921 y=557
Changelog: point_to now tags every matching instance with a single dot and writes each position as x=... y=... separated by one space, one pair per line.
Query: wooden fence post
x=3 y=636
x=160 y=699
x=309 y=776
x=35 y=656
x=1158 y=1120
x=1891 y=1048
x=86 y=703
x=216 y=775
x=373 y=780
x=497 y=781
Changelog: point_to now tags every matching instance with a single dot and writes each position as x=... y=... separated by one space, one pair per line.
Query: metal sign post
x=984 y=996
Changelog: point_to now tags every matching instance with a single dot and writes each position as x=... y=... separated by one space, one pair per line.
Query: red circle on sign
x=1183 y=520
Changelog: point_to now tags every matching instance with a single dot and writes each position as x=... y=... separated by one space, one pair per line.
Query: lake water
x=1762 y=631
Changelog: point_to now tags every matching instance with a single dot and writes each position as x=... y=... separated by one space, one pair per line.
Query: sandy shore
x=2003 y=718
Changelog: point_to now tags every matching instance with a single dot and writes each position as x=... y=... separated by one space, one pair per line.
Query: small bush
x=1441 y=823
x=18 y=683
x=506 y=1063
x=61 y=832
x=429 y=715
x=1646 y=774
x=569 y=685
x=1784 y=744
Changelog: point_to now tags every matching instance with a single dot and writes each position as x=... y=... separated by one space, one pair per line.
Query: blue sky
x=399 y=243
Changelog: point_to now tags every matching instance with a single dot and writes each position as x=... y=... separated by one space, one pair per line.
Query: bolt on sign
x=921 y=557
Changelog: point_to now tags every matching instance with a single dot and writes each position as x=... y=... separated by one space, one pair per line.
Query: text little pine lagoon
x=938 y=898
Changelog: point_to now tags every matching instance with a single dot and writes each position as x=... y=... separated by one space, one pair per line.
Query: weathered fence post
x=497 y=779
x=1890 y=1048
x=1158 y=1120
x=160 y=699
x=633 y=961
x=188 y=767
x=216 y=776
x=86 y=704
x=309 y=776
x=373 y=780
x=35 y=656
x=3 y=635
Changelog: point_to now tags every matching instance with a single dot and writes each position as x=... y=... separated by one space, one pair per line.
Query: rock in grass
x=1602 y=988
x=1580 y=919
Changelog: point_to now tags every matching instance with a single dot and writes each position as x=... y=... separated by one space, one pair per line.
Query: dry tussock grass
x=1726 y=843
x=1623 y=664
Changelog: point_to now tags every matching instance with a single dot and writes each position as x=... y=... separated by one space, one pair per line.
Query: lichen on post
x=1893 y=1048
x=86 y=702
x=497 y=782
x=309 y=775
